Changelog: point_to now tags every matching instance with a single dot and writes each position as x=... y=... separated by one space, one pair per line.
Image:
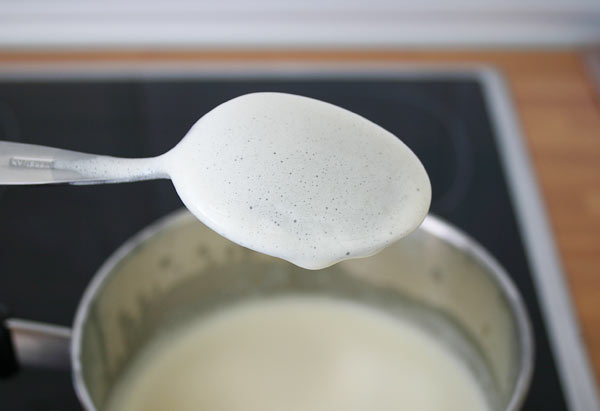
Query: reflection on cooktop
x=431 y=131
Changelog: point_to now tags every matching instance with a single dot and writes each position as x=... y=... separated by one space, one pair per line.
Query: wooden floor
x=560 y=115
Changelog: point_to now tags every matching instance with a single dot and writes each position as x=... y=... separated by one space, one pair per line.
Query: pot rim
x=432 y=224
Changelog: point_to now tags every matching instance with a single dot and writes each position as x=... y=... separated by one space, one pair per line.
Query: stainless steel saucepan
x=178 y=268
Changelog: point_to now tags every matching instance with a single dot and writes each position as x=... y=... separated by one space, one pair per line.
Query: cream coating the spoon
x=285 y=175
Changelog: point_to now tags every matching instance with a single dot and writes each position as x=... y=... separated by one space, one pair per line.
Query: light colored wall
x=297 y=23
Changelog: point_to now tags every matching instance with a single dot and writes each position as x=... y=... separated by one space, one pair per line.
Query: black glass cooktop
x=53 y=238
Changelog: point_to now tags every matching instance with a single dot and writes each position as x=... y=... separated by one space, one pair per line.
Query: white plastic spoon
x=285 y=175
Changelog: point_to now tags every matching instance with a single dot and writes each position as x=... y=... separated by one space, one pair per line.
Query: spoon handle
x=26 y=164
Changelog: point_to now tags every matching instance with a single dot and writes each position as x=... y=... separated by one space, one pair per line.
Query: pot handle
x=32 y=344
